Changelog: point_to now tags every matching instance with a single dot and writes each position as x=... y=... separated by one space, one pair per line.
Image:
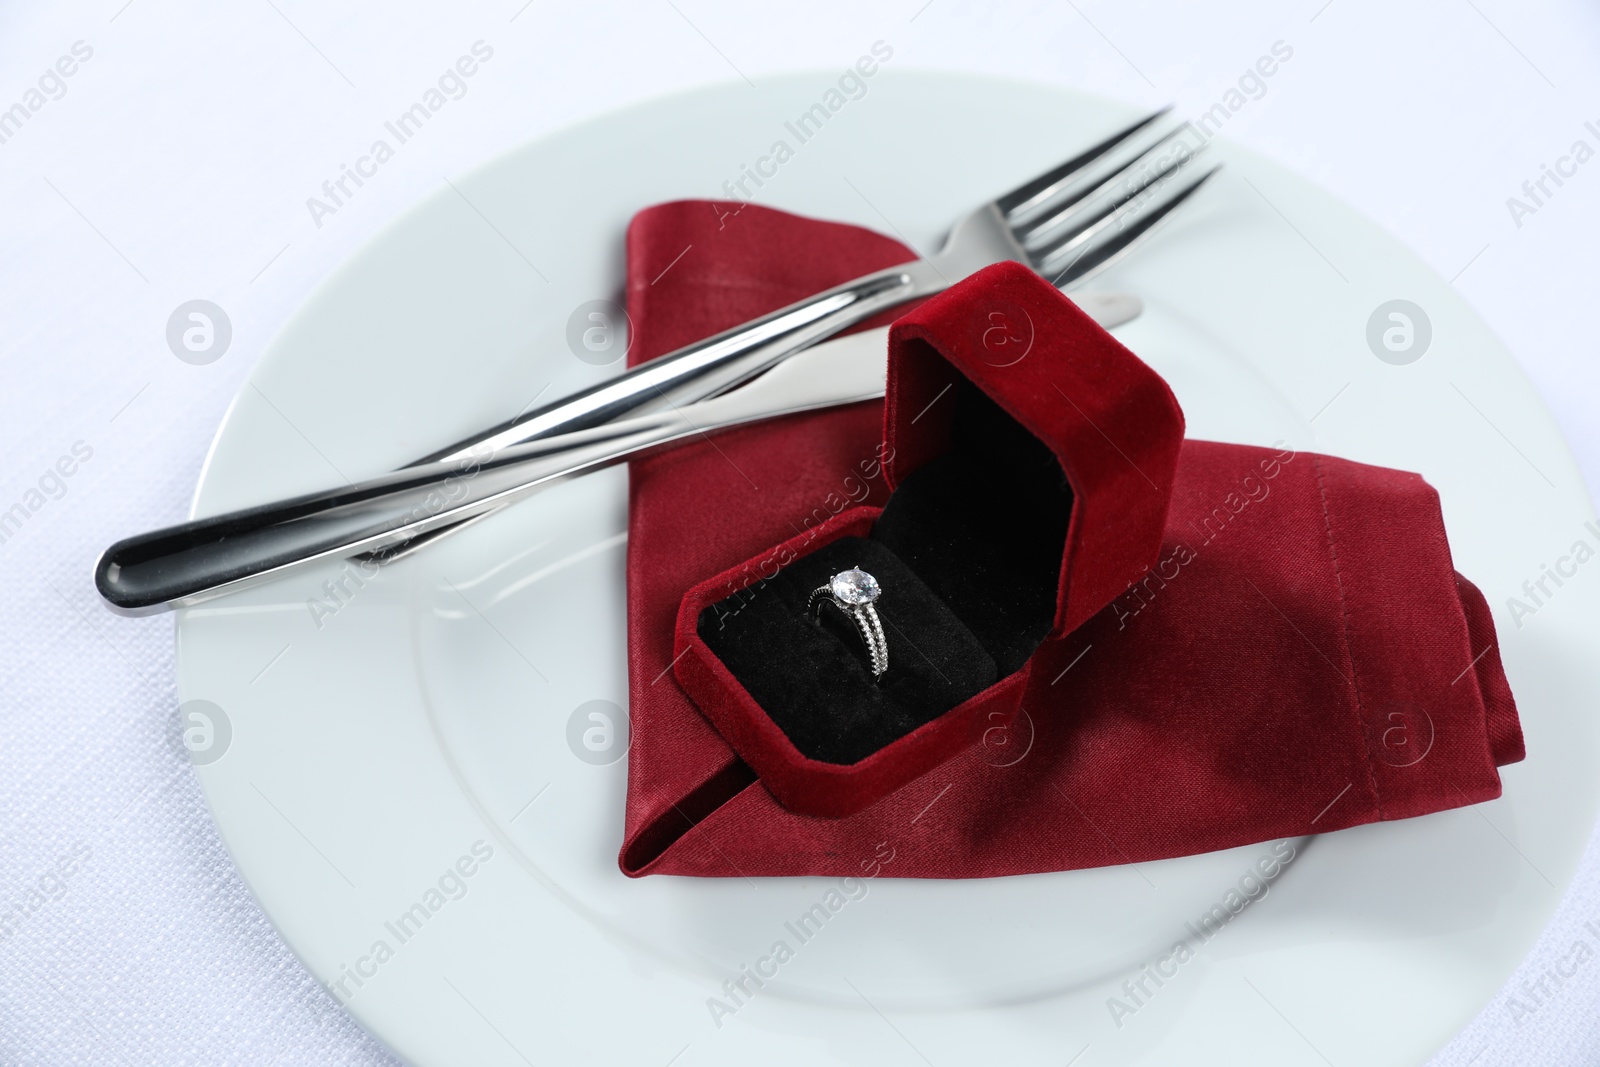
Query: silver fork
x=1068 y=224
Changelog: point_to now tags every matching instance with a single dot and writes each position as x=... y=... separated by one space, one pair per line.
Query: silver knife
x=195 y=561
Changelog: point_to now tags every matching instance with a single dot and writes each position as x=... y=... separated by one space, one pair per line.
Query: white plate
x=368 y=754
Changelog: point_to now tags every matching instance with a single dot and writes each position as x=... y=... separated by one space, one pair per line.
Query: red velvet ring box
x=1030 y=457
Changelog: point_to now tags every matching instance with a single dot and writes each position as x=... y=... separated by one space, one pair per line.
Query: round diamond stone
x=854 y=586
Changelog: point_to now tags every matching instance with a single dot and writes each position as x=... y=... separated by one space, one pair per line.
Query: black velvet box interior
x=967 y=552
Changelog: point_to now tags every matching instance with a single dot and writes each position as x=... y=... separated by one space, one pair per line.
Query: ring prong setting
x=853 y=592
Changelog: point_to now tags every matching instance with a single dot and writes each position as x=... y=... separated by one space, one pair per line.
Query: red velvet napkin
x=1303 y=659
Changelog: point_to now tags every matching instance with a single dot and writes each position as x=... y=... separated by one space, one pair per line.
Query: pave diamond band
x=853 y=592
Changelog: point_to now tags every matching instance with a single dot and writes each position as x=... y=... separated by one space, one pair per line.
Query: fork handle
x=712 y=366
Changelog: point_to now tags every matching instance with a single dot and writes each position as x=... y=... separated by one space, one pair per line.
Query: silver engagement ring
x=853 y=592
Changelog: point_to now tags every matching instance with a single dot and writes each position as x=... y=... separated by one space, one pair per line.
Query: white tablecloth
x=165 y=152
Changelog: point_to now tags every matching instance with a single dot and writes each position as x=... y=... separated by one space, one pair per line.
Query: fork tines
x=1080 y=216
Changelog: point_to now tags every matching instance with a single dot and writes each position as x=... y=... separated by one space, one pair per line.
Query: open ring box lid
x=1031 y=458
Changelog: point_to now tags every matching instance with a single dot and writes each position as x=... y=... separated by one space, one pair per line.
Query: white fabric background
x=176 y=166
